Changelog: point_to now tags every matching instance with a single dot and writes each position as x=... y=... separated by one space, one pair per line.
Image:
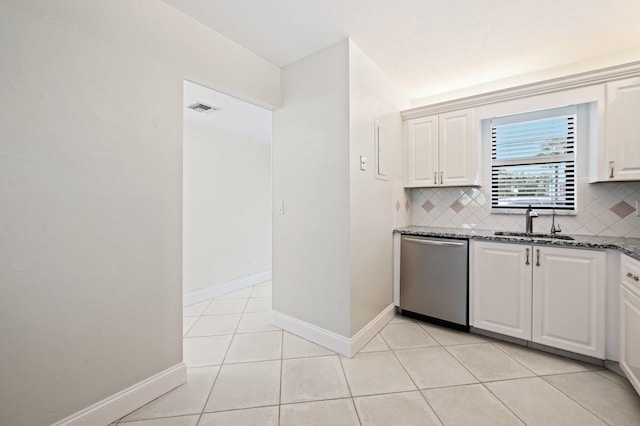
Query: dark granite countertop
x=628 y=246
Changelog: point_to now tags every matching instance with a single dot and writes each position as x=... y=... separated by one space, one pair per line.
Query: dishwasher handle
x=433 y=242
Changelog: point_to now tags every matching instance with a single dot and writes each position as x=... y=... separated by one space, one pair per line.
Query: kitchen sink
x=534 y=235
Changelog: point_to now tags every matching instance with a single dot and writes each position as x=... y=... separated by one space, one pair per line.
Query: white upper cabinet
x=421 y=148
x=458 y=149
x=441 y=150
x=619 y=153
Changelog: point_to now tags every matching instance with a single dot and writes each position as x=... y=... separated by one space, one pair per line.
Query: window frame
x=571 y=158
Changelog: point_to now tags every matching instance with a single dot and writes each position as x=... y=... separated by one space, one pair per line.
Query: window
x=533 y=160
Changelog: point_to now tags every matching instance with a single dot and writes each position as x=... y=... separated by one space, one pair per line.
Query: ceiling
x=428 y=47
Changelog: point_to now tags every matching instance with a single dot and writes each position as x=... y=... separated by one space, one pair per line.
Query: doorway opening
x=226 y=220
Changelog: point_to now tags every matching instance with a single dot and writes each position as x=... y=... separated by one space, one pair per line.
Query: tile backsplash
x=401 y=205
x=607 y=209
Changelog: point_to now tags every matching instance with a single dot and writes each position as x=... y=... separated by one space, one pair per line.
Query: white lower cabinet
x=549 y=295
x=569 y=299
x=630 y=319
x=501 y=287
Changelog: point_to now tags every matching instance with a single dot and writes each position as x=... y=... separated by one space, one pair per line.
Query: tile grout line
x=217 y=334
x=197 y=317
x=613 y=381
x=461 y=364
x=504 y=404
x=536 y=375
x=480 y=382
x=495 y=345
x=204 y=407
x=337 y=398
x=233 y=336
x=411 y=378
x=572 y=399
x=430 y=335
x=353 y=404
x=225 y=356
x=346 y=380
x=483 y=338
x=185 y=332
x=154 y=418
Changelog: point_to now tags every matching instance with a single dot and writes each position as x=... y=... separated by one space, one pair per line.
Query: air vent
x=203 y=108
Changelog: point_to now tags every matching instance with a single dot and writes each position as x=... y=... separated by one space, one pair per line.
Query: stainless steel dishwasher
x=434 y=280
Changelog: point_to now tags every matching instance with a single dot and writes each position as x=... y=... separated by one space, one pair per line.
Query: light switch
x=363 y=163
x=280 y=207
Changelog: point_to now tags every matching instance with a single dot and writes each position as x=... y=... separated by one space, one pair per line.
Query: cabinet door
x=421 y=152
x=622 y=129
x=569 y=288
x=629 y=332
x=458 y=151
x=501 y=288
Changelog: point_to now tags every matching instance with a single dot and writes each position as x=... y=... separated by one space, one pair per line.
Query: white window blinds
x=533 y=160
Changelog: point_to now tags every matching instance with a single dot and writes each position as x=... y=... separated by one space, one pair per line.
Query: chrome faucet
x=554 y=228
x=530 y=214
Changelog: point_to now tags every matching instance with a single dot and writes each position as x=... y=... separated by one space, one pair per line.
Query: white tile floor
x=244 y=371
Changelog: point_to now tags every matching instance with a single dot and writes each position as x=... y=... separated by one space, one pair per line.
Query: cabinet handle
x=630 y=275
x=433 y=242
x=537 y=257
x=527 y=261
x=435 y=178
x=612 y=165
x=441 y=176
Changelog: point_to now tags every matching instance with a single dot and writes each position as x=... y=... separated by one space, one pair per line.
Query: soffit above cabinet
x=575 y=81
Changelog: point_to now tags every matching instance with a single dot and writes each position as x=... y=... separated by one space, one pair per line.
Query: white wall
x=333 y=245
x=310 y=161
x=372 y=202
x=91 y=190
x=227 y=204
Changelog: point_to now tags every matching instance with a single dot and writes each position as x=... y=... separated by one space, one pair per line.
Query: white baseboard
x=127 y=400
x=320 y=336
x=374 y=326
x=330 y=340
x=222 y=289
